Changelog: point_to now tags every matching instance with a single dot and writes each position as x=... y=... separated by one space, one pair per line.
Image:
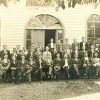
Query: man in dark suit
x=83 y=44
x=82 y=52
x=5 y=51
x=91 y=52
x=18 y=51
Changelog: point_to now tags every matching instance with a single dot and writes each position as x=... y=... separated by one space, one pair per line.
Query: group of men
x=59 y=60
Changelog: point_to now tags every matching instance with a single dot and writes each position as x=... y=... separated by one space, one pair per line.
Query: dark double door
x=48 y=35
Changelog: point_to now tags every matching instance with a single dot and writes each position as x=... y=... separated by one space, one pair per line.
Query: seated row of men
x=58 y=61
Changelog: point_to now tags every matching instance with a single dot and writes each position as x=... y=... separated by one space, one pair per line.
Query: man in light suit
x=47 y=59
x=51 y=45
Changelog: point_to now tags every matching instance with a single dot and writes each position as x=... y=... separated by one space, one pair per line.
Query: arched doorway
x=93 y=29
x=41 y=28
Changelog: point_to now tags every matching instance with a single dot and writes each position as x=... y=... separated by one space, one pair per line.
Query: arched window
x=93 y=29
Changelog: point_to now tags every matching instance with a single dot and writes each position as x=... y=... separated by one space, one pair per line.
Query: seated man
x=32 y=64
x=57 y=66
x=13 y=67
x=74 y=69
x=6 y=65
x=97 y=50
x=66 y=66
x=47 y=66
x=4 y=52
x=39 y=65
x=1 y=70
x=85 y=66
x=91 y=52
x=23 y=64
x=95 y=66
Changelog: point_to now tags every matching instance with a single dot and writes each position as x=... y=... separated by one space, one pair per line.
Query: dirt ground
x=53 y=90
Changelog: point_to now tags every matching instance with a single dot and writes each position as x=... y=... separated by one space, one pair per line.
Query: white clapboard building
x=25 y=25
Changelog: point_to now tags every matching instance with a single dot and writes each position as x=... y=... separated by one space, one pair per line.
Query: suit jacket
x=86 y=45
x=81 y=54
x=74 y=53
x=91 y=53
x=74 y=45
x=15 y=65
x=22 y=66
x=47 y=55
x=2 y=53
x=58 y=62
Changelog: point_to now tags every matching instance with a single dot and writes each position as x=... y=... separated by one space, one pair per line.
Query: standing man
x=47 y=58
x=83 y=44
x=18 y=51
x=74 y=44
x=51 y=45
x=5 y=51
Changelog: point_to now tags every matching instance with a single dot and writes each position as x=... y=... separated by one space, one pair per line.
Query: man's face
x=51 y=40
x=58 y=55
x=4 y=46
x=66 y=40
x=18 y=46
x=47 y=48
x=14 y=50
x=74 y=40
x=23 y=57
x=39 y=44
x=6 y=56
x=83 y=39
x=14 y=58
x=92 y=47
x=58 y=41
x=97 y=46
x=95 y=55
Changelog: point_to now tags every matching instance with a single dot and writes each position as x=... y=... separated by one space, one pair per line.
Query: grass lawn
x=48 y=90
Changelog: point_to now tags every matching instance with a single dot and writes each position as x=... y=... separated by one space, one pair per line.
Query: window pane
x=97 y=30
x=28 y=34
x=97 y=25
x=28 y=44
x=93 y=29
x=90 y=33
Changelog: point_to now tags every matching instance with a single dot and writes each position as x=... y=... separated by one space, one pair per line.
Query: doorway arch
x=41 y=28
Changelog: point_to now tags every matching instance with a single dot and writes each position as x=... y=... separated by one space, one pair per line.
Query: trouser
x=48 y=70
x=28 y=75
x=20 y=76
x=82 y=71
x=56 y=71
x=13 y=73
x=6 y=74
x=76 y=69
x=88 y=72
x=66 y=71
x=97 y=70
x=93 y=71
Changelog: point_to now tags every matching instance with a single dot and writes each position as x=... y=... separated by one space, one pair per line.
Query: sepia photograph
x=49 y=49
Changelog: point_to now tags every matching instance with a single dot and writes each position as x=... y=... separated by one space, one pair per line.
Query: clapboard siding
x=15 y=19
